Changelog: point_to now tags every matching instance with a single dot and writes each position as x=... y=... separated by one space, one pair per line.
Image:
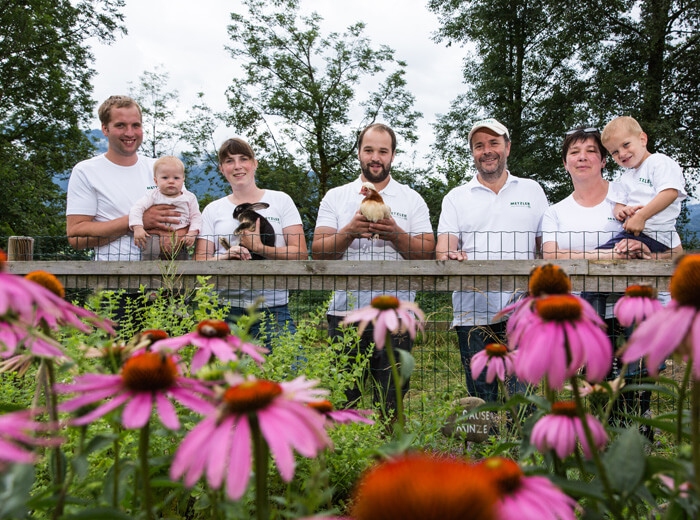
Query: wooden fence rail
x=420 y=275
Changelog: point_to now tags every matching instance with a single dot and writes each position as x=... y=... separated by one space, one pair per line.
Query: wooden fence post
x=20 y=249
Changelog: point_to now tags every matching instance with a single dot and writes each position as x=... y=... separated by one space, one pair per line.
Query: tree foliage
x=297 y=96
x=45 y=103
x=543 y=68
x=158 y=106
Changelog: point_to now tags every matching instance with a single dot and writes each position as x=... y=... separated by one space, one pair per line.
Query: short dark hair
x=235 y=146
x=105 y=110
x=378 y=126
x=580 y=135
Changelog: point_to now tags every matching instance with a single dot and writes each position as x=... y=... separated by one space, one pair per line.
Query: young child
x=649 y=194
x=169 y=175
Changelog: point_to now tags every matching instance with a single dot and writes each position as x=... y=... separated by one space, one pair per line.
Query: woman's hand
x=250 y=240
x=237 y=253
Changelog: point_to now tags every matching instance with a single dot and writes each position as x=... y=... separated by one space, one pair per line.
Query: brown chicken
x=373 y=207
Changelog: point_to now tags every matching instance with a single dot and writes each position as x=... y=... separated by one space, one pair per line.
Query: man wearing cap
x=494 y=216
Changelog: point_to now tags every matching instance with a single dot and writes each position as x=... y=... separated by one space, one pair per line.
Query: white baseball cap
x=491 y=124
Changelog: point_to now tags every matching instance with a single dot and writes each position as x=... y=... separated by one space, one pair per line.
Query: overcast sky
x=188 y=39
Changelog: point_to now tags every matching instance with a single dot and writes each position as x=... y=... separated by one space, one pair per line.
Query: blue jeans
x=273 y=322
x=473 y=339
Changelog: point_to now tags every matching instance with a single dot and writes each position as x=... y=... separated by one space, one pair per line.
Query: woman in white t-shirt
x=237 y=164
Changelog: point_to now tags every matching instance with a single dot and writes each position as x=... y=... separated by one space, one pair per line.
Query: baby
x=649 y=194
x=169 y=176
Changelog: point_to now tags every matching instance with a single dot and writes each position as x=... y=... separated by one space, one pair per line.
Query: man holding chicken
x=343 y=232
x=494 y=216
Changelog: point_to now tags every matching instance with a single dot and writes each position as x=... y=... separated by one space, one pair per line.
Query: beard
x=492 y=173
x=375 y=178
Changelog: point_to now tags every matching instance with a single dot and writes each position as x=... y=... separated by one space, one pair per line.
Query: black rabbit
x=246 y=213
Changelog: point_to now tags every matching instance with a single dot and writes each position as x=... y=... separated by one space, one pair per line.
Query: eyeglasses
x=590 y=130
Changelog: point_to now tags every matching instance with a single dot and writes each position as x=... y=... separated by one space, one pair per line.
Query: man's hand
x=627 y=249
x=386 y=229
x=358 y=227
x=159 y=216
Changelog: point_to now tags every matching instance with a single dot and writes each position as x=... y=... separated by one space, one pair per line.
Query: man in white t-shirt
x=102 y=190
x=343 y=233
x=494 y=216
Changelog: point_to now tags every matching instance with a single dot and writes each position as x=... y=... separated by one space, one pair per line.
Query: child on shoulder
x=649 y=194
x=169 y=176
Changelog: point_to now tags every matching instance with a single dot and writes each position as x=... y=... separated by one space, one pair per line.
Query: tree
x=523 y=71
x=158 y=107
x=297 y=95
x=45 y=103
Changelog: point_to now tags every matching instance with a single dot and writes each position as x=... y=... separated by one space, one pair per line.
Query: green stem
x=681 y=398
x=397 y=380
x=261 y=455
x=695 y=429
x=145 y=480
x=115 y=484
x=52 y=406
x=614 y=396
x=58 y=510
x=594 y=451
x=514 y=412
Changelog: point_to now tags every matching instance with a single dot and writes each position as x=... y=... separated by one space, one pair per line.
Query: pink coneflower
x=325 y=408
x=14 y=436
x=638 y=303
x=557 y=340
x=214 y=338
x=498 y=361
x=388 y=313
x=418 y=487
x=674 y=328
x=145 y=378
x=40 y=298
x=13 y=335
x=562 y=429
x=526 y=498
x=222 y=442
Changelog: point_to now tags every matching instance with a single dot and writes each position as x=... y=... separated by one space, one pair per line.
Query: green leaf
x=103 y=513
x=407 y=364
x=624 y=461
x=15 y=487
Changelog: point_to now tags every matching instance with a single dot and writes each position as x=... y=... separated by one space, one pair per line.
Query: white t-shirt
x=106 y=190
x=638 y=186
x=578 y=228
x=218 y=221
x=337 y=208
x=491 y=226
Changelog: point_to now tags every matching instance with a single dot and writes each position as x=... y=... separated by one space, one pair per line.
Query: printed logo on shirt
x=645 y=181
x=273 y=219
x=612 y=219
x=521 y=204
x=152 y=187
x=402 y=216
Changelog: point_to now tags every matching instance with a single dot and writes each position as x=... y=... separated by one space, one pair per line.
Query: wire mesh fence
x=452 y=294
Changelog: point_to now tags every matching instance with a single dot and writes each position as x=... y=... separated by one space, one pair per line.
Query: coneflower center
x=496 y=350
x=565 y=408
x=685 y=282
x=505 y=473
x=549 y=279
x=251 y=396
x=154 y=335
x=640 y=291
x=324 y=406
x=149 y=372
x=47 y=281
x=385 y=302
x=3 y=260
x=213 y=329
x=559 y=308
